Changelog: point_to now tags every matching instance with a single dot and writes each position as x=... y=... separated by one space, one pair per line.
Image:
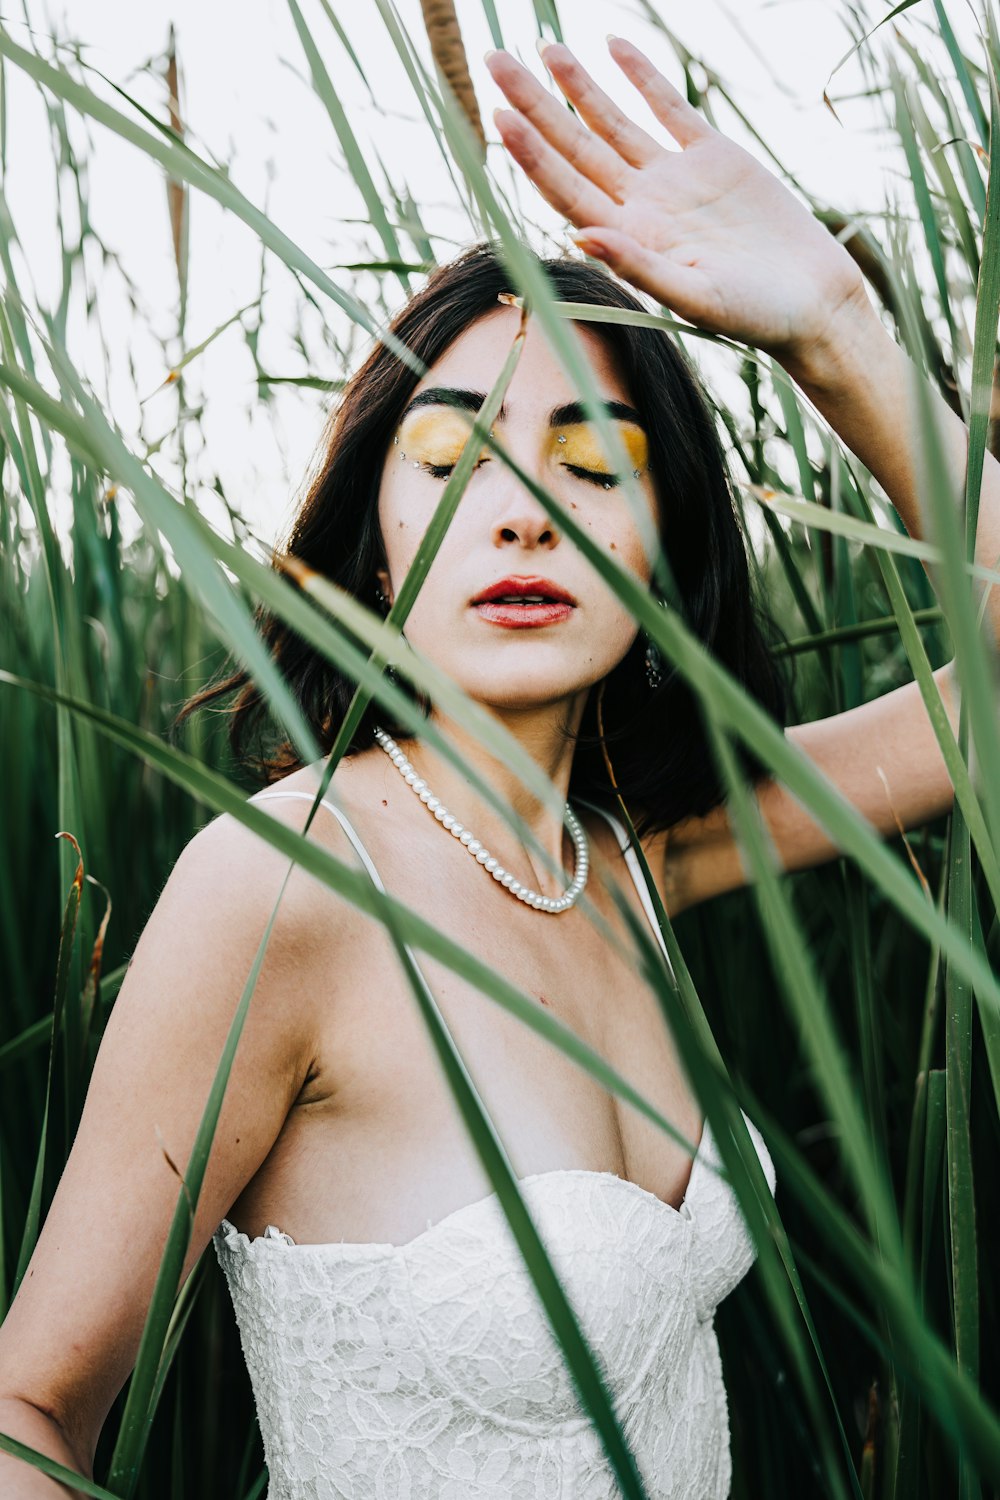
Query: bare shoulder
x=238 y=875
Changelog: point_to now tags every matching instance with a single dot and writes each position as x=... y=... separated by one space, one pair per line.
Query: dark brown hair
x=656 y=738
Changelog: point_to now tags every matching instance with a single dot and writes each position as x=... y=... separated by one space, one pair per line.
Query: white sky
x=247 y=101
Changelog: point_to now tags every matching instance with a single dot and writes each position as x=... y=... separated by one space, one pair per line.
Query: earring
x=383 y=603
x=654 y=664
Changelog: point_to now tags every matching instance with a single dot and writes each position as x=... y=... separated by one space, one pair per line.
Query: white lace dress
x=429 y=1371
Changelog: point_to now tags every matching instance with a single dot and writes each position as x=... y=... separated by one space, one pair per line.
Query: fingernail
x=611 y=37
x=541 y=43
x=491 y=52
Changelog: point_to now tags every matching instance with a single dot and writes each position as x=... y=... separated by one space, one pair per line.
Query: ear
x=384 y=583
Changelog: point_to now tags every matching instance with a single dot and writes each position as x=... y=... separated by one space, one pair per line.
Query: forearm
x=862 y=382
x=18 y=1480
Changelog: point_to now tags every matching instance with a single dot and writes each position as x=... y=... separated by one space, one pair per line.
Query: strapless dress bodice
x=429 y=1371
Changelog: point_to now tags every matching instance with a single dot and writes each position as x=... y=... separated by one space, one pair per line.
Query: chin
x=504 y=691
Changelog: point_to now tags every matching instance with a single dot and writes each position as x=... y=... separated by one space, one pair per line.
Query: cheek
x=620 y=535
x=620 y=538
x=401 y=526
x=403 y=520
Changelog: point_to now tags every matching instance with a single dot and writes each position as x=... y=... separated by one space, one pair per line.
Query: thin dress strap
x=635 y=870
x=631 y=860
x=345 y=824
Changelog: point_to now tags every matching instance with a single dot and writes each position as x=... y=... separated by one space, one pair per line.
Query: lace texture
x=429 y=1371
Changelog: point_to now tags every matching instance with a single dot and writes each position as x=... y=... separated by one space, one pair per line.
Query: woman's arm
x=71 y=1336
x=711 y=233
x=860 y=379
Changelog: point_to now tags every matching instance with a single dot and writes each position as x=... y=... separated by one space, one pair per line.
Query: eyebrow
x=559 y=416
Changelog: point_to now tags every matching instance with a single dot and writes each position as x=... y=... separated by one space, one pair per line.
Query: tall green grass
x=854 y=1011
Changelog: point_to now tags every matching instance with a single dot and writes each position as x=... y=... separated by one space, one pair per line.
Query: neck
x=544 y=734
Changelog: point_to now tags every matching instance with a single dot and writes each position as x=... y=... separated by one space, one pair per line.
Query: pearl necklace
x=483 y=856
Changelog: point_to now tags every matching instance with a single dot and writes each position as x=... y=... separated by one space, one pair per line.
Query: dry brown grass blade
x=448 y=51
x=77 y=887
x=903 y=835
x=96 y=960
x=177 y=193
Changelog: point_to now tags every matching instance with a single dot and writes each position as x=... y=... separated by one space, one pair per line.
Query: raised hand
x=706 y=230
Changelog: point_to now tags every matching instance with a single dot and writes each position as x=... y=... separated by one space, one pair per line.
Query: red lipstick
x=522 y=601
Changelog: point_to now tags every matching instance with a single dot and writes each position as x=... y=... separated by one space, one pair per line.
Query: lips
x=519 y=589
x=523 y=603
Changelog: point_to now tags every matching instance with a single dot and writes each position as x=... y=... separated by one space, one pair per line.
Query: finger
x=582 y=148
x=596 y=109
x=569 y=193
x=680 y=288
x=669 y=106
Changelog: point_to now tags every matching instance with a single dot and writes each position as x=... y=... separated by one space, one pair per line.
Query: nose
x=520 y=520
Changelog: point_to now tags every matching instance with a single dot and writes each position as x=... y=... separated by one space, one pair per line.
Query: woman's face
x=515 y=655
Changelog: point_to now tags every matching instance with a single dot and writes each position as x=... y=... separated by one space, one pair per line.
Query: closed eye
x=443 y=471
x=593 y=476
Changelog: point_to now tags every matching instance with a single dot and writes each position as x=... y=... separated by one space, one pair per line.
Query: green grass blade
x=353 y=154
x=809 y=1010
x=97 y=443
x=345 y=42
x=411 y=64
x=965 y=794
x=925 y=207
x=966 y=83
x=862 y=630
x=975 y=655
x=870 y=533
x=64 y=969
x=55 y=1470
x=958 y=1089
x=493 y=21
x=984 y=342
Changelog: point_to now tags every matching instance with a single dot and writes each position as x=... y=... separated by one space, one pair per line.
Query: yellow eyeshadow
x=584 y=450
x=435 y=436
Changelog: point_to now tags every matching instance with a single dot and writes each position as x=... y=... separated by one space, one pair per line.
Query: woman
x=395 y=1344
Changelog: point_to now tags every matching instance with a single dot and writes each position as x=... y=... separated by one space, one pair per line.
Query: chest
x=378 y=1117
